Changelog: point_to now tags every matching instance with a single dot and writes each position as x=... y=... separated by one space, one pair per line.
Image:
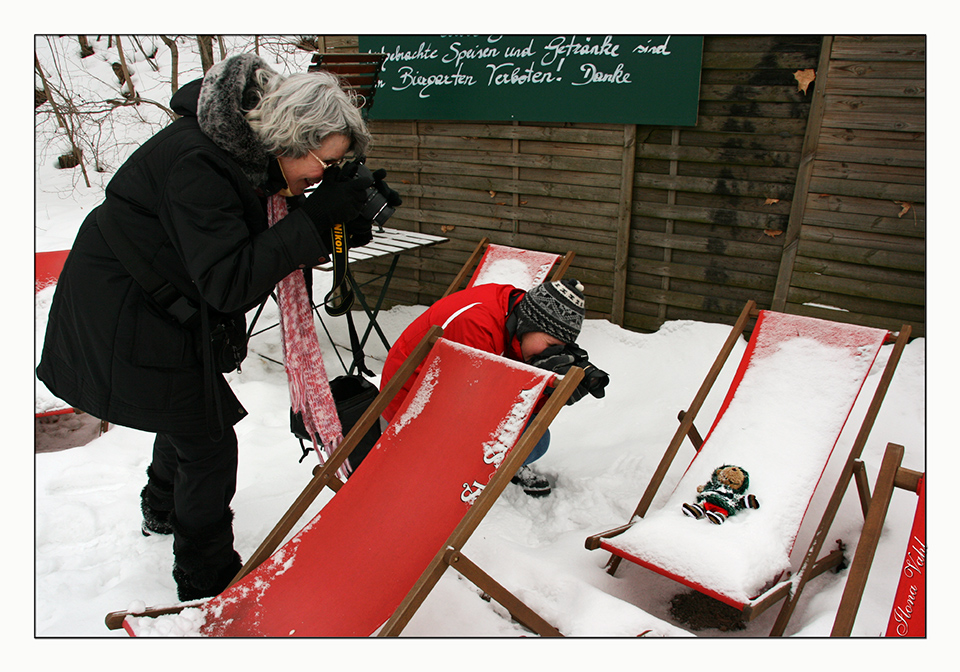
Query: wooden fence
x=809 y=201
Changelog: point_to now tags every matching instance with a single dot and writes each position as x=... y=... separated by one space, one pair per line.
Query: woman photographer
x=191 y=203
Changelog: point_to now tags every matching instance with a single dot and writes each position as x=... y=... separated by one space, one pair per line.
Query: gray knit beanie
x=555 y=308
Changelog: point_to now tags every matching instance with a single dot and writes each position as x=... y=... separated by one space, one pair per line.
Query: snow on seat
x=347 y=570
x=781 y=419
x=513 y=266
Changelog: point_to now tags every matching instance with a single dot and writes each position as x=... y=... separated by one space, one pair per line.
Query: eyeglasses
x=326 y=164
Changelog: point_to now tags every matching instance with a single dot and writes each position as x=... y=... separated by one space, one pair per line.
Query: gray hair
x=296 y=113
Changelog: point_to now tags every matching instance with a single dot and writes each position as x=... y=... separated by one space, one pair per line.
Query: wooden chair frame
x=891 y=475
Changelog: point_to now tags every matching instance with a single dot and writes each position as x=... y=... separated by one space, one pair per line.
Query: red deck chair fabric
x=781 y=419
x=348 y=569
x=513 y=266
x=47 y=268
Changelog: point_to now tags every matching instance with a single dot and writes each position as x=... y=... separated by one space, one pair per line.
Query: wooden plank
x=827 y=259
x=913 y=193
x=745 y=218
x=850 y=170
x=869 y=68
x=726 y=187
x=707 y=274
x=882 y=48
x=864 y=240
x=909 y=123
x=887 y=88
x=864 y=206
x=854 y=287
x=878 y=156
x=911 y=224
x=854 y=309
x=509 y=131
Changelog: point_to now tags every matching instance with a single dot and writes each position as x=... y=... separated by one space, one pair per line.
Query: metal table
x=386 y=242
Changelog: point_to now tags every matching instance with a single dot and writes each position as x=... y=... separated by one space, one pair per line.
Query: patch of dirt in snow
x=702 y=612
x=65 y=430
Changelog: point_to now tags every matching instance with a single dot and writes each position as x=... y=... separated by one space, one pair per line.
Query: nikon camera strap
x=336 y=306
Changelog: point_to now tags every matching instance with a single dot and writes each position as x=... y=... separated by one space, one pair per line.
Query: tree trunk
x=174 y=63
x=132 y=94
x=206 y=51
x=62 y=121
x=85 y=48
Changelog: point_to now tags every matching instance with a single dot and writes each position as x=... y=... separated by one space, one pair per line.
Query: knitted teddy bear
x=723 y=495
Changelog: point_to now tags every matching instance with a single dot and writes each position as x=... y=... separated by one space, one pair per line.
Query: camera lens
x=376 y=208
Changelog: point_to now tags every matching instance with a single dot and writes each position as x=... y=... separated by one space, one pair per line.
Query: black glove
x=338 y=199
x=359 y=232
x=559 y=359
x=393 y=198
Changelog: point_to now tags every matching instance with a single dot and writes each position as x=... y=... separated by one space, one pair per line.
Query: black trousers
x=203 y=473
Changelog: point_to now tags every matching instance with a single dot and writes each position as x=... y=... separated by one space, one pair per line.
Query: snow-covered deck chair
x=780 y=421
x=510 y=266
x=370 y=557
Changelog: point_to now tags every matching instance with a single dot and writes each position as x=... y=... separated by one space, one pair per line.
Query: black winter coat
x=109 y=349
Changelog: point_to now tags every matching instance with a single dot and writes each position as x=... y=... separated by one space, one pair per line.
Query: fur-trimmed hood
x=228 y=91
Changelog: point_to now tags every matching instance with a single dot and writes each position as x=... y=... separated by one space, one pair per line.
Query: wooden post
x=618 y=306
x=811 y=140
x=668 y=226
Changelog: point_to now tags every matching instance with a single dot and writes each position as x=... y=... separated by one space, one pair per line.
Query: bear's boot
x=156 y=504
x=204 y=562
x=716 y=516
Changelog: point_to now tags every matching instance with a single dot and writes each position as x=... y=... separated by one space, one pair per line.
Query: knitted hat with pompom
x=555 y=308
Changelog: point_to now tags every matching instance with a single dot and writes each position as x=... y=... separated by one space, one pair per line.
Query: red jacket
x=476 y=317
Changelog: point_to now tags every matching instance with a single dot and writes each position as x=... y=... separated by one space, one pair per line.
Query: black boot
x=156 y=503
x=204 y=562
x=532 y=483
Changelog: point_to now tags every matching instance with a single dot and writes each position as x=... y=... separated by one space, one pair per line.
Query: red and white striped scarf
x=310 y=392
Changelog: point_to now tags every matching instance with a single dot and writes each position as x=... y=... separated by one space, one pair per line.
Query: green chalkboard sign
x=623 y=79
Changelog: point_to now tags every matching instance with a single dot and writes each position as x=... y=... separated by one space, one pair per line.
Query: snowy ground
x=90 y=558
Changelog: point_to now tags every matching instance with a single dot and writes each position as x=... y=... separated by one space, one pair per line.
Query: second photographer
x=539 y=327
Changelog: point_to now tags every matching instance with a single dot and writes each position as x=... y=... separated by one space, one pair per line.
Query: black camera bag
x=352 y=394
